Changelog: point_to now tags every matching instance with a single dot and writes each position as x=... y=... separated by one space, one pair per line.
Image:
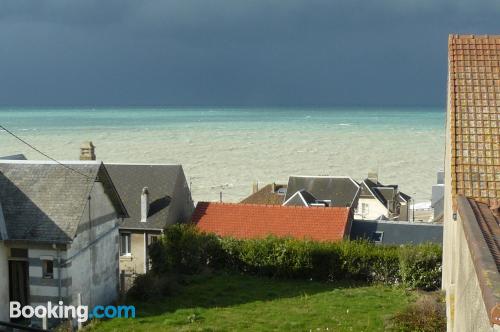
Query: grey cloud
x=226 y=52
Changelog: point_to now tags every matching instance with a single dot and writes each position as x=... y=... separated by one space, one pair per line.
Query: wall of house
x=181 y=207
x=135 y=262
x=375 y=209
x=42 y=289
x=94 y=254
x=449 y=229
x=4 y=283
x=469 y=310
x=404 y=211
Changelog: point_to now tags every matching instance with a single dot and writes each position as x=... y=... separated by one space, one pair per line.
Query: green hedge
x=183 y=249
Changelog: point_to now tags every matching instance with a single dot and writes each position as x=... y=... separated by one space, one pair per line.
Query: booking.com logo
x=80 y=313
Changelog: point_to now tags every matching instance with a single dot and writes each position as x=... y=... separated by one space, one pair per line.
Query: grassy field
x=244 y=303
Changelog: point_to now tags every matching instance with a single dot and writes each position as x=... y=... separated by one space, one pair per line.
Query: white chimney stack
x=144 y=204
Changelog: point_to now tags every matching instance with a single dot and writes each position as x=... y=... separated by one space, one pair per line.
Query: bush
x=183 y=249
x=420 y=266
x=427 y=314
x=150 y=286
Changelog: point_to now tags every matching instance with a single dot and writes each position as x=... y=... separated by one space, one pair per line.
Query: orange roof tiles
x=246 y=221
x=474 y=106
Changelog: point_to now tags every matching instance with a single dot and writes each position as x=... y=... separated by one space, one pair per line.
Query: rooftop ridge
x=274 y=206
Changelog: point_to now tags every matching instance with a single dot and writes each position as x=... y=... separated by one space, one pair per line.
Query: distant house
x=331 y=191
x=155 y=196
x=381 y=202
x=271 y=194
x=471 y=241
x=59 y=230
x=246 y=221
x=396 y=232
x=437 y=200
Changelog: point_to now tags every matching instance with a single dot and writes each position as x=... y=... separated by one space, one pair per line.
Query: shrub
x=150 y=286
x=427 y=314
x=183 y=249
x=420 y=266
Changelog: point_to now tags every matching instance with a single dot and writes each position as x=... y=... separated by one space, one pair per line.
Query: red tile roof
x=474 y=106
x=246 y=221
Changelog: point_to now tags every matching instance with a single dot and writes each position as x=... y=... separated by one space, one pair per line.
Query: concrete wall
x=398 y=232
x=4 y=283
x=94 y=254
x=465 y=300
x=449 y=230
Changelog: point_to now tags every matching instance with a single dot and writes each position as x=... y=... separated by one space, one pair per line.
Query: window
x=364 y=208
x=48 y=269
x=153 y=238
x=377 y=236
x=125 y=244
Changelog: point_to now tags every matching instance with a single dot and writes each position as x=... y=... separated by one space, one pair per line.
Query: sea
x=225 y=150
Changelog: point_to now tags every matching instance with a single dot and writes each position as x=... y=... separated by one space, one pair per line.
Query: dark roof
x=474 y=116
x=341 y=191
x=382 y=192
x=266 y=196
x=246 y=221
x=161 y=181
x=397 y=232
x=19 y=156
x=44 y=201
x=301 y=198
x=403 y=196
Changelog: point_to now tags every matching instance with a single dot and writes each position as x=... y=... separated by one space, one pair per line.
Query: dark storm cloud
x=227 y=52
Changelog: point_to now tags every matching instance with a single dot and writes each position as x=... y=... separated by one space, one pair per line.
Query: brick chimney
x=144 y=204
x=87 y=151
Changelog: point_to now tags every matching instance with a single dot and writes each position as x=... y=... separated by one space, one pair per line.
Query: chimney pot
x=373 y=176
x=144 y=204
x=255 y=187
x=87 y=151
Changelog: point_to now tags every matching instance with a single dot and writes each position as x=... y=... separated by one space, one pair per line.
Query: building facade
x=61 y=233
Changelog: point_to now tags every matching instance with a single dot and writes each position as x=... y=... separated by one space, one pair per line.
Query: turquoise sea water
x=227 y=149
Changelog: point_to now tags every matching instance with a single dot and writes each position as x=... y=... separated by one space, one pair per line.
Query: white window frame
x=365 y=208
x=128 y=251
x=381 y=236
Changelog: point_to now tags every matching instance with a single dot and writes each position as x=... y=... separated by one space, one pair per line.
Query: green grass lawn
x=244 y=303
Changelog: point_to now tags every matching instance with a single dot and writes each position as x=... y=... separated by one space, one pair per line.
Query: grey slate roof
x=398 y=232
x=381 y=192
x=44 y=201
x=341 y=191
x=19 y=156
x=161 y=181
x=300 y=198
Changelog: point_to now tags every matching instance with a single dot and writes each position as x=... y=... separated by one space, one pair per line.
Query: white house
x=381 y=202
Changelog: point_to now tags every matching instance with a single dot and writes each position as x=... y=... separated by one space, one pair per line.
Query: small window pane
x=124 y=244
x=48 y=269
x=377 y=237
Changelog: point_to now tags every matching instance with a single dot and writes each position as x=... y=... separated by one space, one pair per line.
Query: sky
x=286 y=53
